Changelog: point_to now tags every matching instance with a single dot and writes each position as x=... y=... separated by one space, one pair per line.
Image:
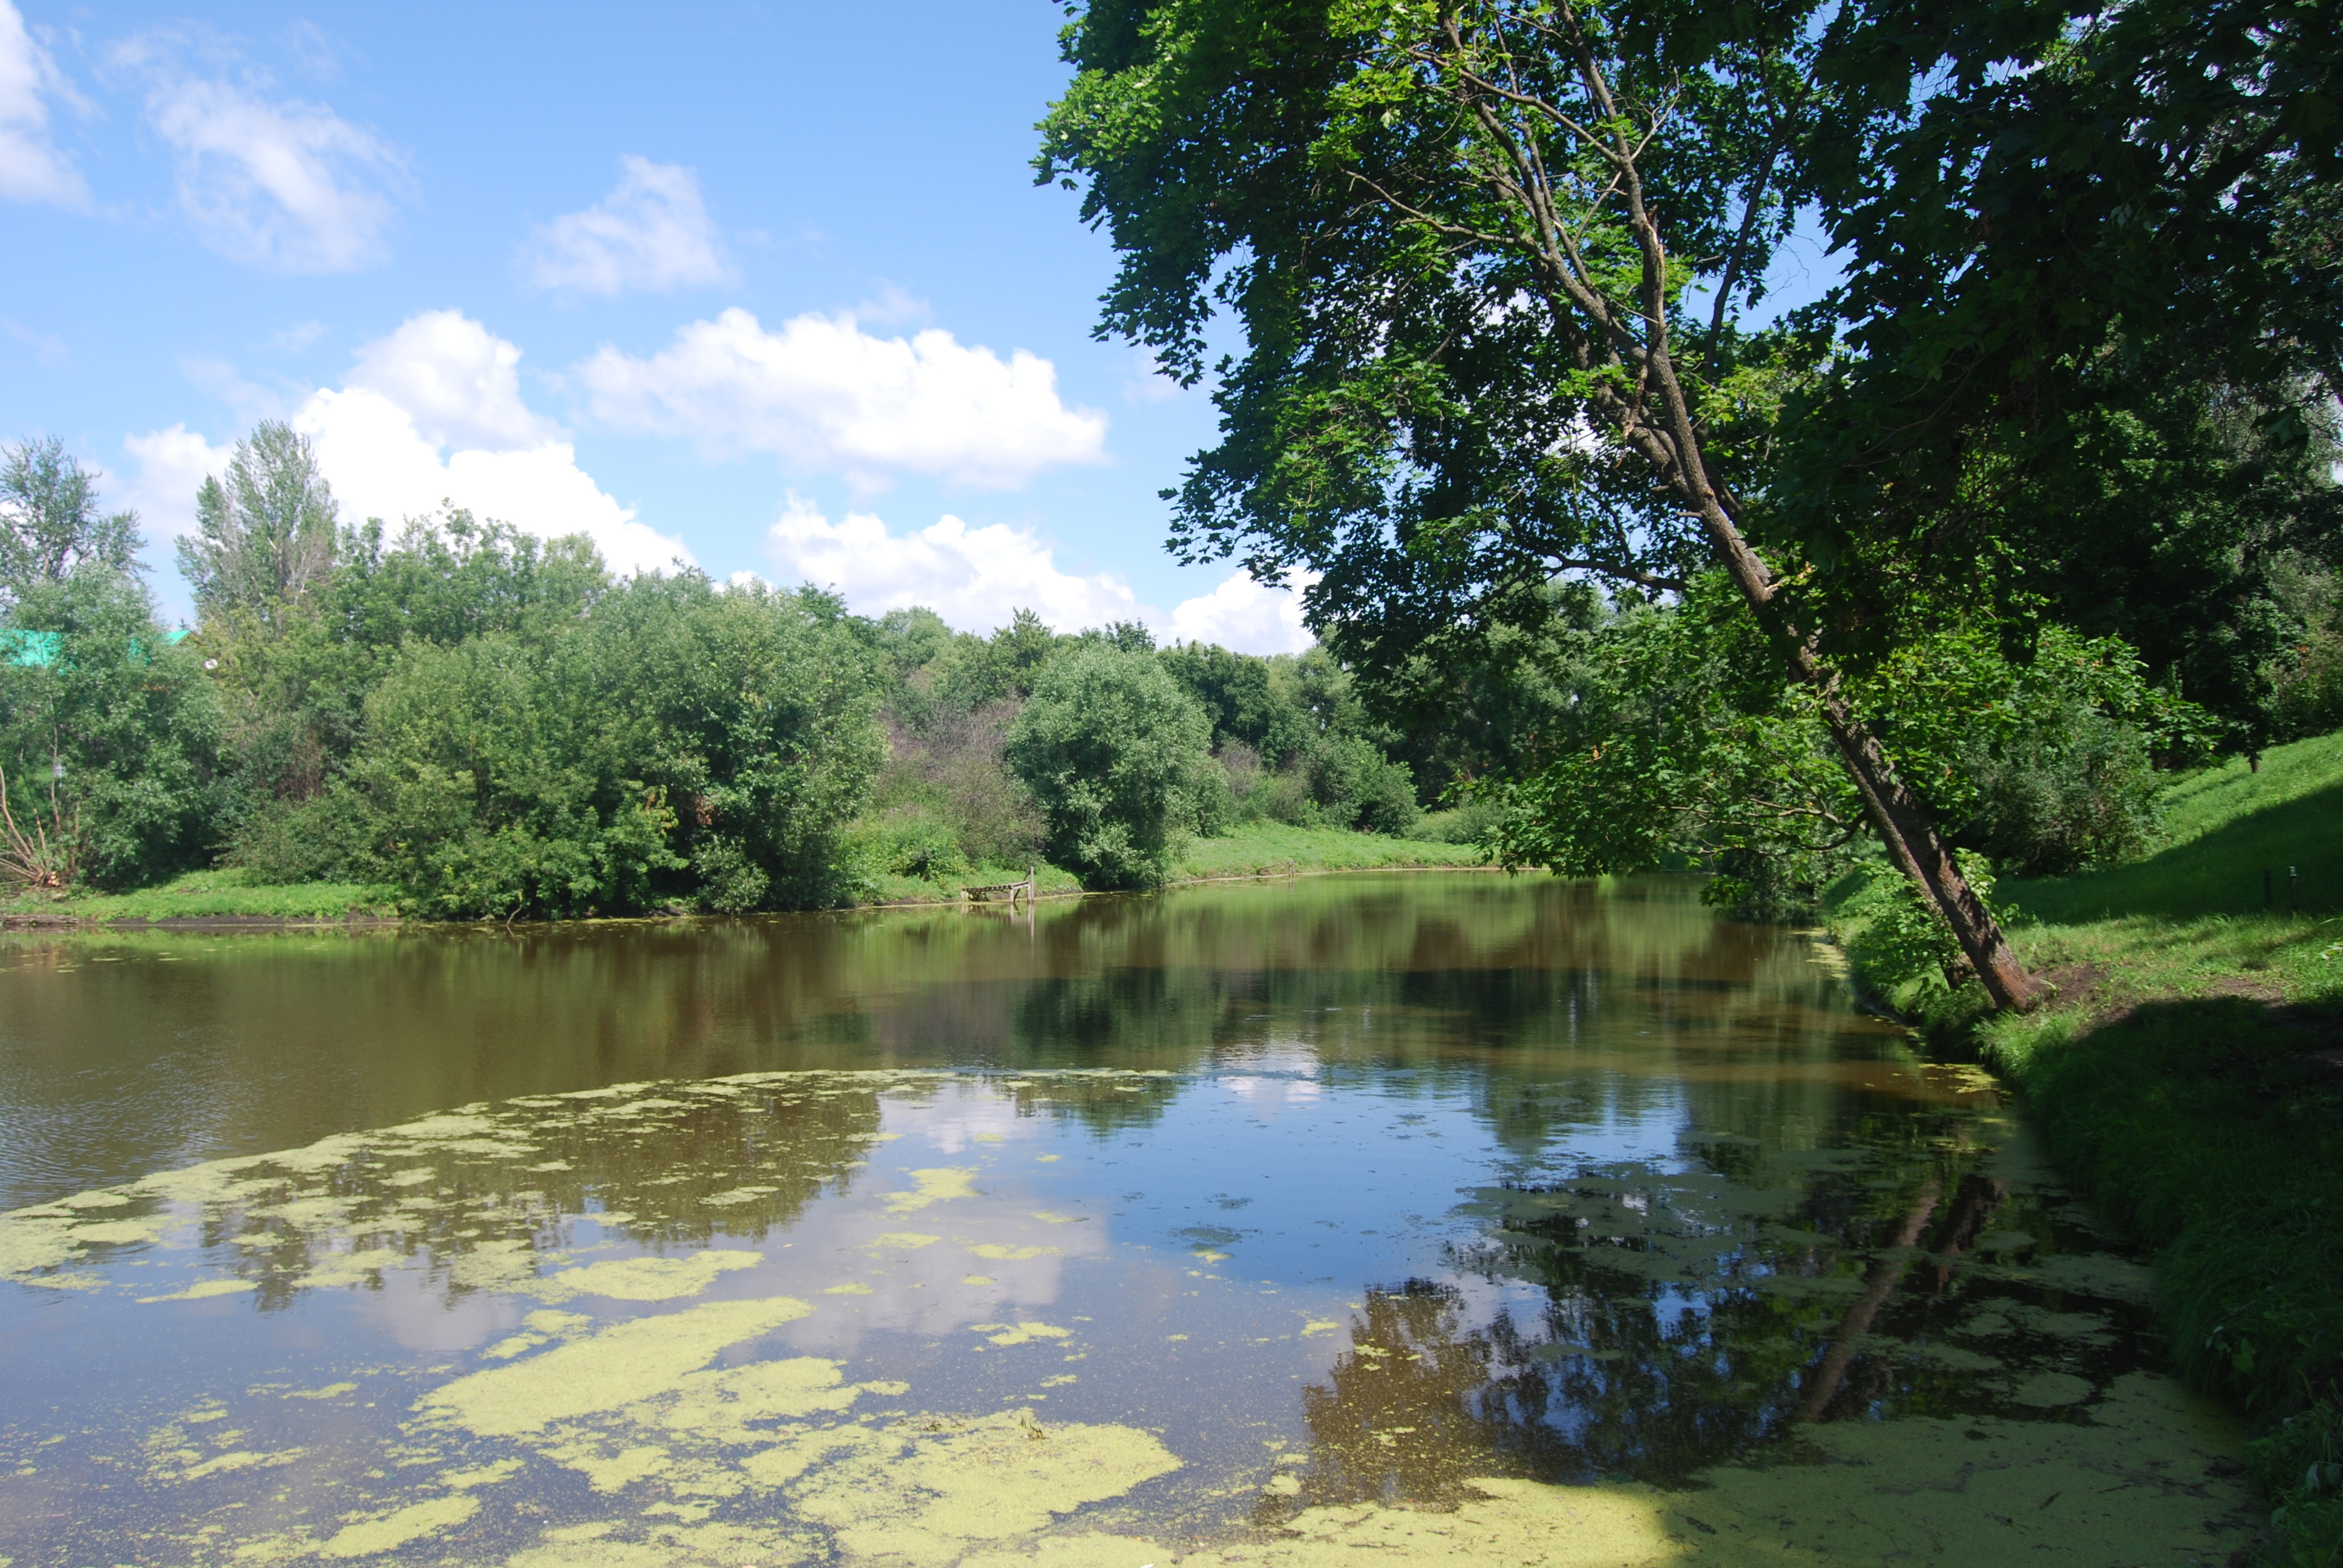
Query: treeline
x=494 y=726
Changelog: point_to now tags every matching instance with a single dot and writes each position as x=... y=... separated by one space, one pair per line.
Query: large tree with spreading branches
x=1491 y=260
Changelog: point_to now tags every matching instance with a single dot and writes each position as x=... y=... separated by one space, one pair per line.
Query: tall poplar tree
x=264 y=541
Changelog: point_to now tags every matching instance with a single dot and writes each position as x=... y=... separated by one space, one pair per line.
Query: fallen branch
x=49 y=855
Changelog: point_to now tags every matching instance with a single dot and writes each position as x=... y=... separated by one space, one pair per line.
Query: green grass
x=213 y=895
x=1260 y=849
x=893 y=889
x=2222 y=828
x=1256 y=849
x=1268 y=848
x=2188 y=1075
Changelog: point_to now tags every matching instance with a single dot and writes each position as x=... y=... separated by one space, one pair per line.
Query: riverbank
x=231 y=897
x=2188 y=1074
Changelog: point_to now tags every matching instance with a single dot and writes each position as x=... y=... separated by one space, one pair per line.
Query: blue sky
x=768 y=284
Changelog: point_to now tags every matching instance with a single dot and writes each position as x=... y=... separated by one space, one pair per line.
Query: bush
x=950 y=766
x=1213 y=797
x=678 y=744
x=1899 y=935
x=2071 y=790
x=1356 y=786
x=320 y=839
x=906 y=842
x=2309 y=695
x=1109 y=744
x=2299 y=1464
x=132 y=718
x=1286 y=796
x=1466 y=822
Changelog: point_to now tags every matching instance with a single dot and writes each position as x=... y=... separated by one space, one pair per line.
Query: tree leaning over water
x=1459 y=237
x=1489 y=258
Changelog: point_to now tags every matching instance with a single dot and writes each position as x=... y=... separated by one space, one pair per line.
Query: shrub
x=1109 y=743
x=906 y=842
x=131 y=718
x=321 y=839
x=1467 y=822
x=1899 y=936
x=951 y=767
x=1213 y=797
x=1356 y=786
x=677 y=744
x=2070 y=790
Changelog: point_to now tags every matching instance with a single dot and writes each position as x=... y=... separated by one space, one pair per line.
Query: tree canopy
x=1492 y=261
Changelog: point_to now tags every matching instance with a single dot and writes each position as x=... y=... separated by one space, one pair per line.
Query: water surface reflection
x=1220 y=1223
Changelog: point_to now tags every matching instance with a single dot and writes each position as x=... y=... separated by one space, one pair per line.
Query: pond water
x=1353 y=1219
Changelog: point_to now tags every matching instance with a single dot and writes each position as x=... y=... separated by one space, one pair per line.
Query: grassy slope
x=2188 y=1074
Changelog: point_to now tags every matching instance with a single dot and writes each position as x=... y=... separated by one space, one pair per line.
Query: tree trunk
x=1903 y=825
x=1631 y=335
x=1902 y=822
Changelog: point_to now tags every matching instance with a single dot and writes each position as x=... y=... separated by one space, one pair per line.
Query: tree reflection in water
x=1682 y=1320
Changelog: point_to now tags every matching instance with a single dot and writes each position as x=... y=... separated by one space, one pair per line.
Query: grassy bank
x=1257 y=850
x=2190 y=1076
x=1269 y=848
x=216 y=895
x=1264 y=850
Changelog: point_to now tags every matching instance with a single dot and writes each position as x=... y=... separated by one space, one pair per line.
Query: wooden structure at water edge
x=1009 y=890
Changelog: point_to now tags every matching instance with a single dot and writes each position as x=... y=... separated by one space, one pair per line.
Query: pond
x=1440 y=1217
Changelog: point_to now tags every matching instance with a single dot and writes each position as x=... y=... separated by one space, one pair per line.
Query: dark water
x=1546 y=1219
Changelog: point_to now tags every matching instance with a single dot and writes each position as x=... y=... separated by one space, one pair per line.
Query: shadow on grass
x=2218 y=874
x=2212 y=1130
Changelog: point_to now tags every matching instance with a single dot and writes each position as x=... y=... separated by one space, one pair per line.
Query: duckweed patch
x=617 y=1366
x=663 y=1365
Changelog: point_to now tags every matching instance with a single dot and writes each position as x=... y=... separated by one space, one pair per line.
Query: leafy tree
x=1458 y=236
x=127 y=718
x=1681 y=743
x=676 y=742
x=295 y=691
x=1108 y=744
x=2088 y=334
x=977 y=671
x=757 y=709
x=1465 y=697
x=264 y=541
x=50 y=525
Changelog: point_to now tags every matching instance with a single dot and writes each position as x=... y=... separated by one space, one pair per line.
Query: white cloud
x=823 y=394
x=288 y=186
x=1247 y=616
x=172 y=463
x=382 y=466
x=31 y=167
x=890 y=305
x=430 y=413
x=1146 y=380
x=973 y=578
x=457 y=381
x=650 y=232
x=47 y=347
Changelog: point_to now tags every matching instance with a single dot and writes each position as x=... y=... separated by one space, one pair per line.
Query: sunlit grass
x=1266 y=849
x=219 y=894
